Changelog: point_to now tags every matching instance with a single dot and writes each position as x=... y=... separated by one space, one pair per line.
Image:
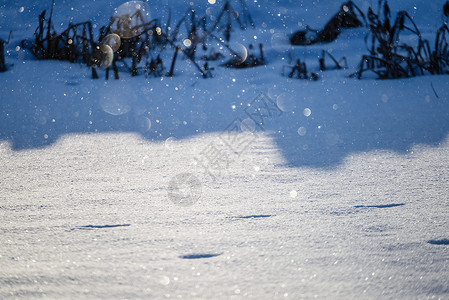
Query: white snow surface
x=343 y=195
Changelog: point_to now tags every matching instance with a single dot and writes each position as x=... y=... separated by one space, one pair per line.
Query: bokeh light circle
x=115 y=101
x=130 y=18
x=286 y=102
x=106 y=56
x=280 y=42
x=240 y=53
x=112 y=40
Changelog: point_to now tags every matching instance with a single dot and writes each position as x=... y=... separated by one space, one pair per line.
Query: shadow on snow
x=326 y=122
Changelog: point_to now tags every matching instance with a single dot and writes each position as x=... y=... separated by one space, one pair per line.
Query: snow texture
x=108 y=189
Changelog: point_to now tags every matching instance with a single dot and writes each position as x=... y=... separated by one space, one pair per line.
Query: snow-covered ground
x=141 y=188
